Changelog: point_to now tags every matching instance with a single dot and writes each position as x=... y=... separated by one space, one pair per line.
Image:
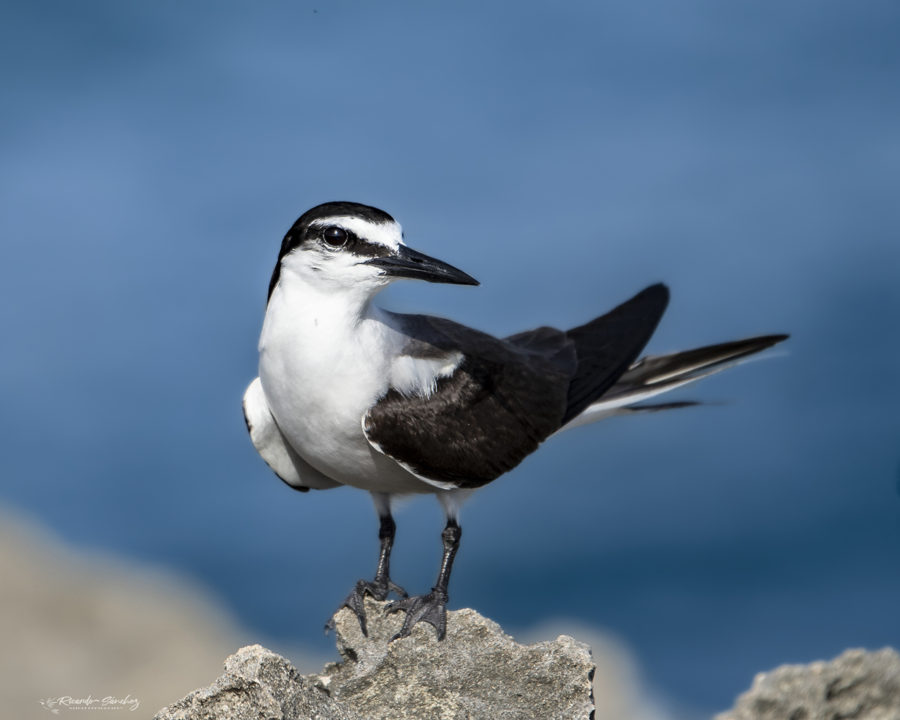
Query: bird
x=350 y=394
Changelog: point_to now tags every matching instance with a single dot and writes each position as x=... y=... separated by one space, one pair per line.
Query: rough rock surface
x=476 y=672
x=258 y=684
x=857 y=684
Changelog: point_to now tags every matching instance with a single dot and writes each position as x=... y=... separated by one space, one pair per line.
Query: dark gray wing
x=608 y=345
x=506 y=396
x=552 y=344
x=496 y=407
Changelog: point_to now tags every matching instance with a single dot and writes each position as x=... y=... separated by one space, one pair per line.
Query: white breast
x=322 y=365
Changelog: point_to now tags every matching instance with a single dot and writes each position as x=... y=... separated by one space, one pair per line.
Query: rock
x=476 y=672
x=258 y=684
x=857 y=684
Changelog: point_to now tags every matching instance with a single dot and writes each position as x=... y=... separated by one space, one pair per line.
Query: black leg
x=381 y=585
x=432 y=608
x=382 y=582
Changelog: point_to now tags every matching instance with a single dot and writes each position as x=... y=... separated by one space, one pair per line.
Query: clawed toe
x=379 y=589
x=430 y=608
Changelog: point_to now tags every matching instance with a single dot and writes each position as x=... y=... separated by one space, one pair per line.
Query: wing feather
x=482 y=420
x=608 y=345
x=506 y=396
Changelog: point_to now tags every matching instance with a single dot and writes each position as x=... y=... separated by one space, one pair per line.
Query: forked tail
x=653 y=375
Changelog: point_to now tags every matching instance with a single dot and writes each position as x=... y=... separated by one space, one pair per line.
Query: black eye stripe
x=367 y=249
x=335 y=237
x=305 y=231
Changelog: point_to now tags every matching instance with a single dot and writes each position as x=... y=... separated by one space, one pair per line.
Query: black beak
x=410 y=263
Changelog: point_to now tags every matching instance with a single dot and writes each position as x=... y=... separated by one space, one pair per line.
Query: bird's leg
x=381 y=585
x=432 y=608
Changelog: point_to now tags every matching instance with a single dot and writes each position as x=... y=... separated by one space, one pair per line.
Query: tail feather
x=653 y=375
x=656 y=407
x=655 y=369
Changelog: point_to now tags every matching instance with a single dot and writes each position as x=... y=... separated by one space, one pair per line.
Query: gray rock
x=258 y=685
x=476 y=672
x=857 y=684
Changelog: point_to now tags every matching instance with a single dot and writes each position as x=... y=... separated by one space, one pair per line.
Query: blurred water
x=747 y=154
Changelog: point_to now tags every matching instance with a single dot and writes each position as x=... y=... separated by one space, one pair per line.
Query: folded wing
x=506 y=396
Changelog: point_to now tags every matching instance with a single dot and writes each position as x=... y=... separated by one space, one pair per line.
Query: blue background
x=566 y=155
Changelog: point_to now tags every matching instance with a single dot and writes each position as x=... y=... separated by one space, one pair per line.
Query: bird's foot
x=430 y=608
x=379 y=588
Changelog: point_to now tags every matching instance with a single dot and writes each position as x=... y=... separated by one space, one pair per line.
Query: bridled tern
x=350 y=394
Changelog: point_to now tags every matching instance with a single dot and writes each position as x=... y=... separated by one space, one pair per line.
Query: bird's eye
x=335 y=237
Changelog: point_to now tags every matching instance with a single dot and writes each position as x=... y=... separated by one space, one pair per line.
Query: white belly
x=320 y=378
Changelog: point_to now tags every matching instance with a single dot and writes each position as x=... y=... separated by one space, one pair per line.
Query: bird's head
x=347 y=246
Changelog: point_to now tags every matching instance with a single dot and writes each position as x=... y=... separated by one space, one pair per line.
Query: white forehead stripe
x=388 y=234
